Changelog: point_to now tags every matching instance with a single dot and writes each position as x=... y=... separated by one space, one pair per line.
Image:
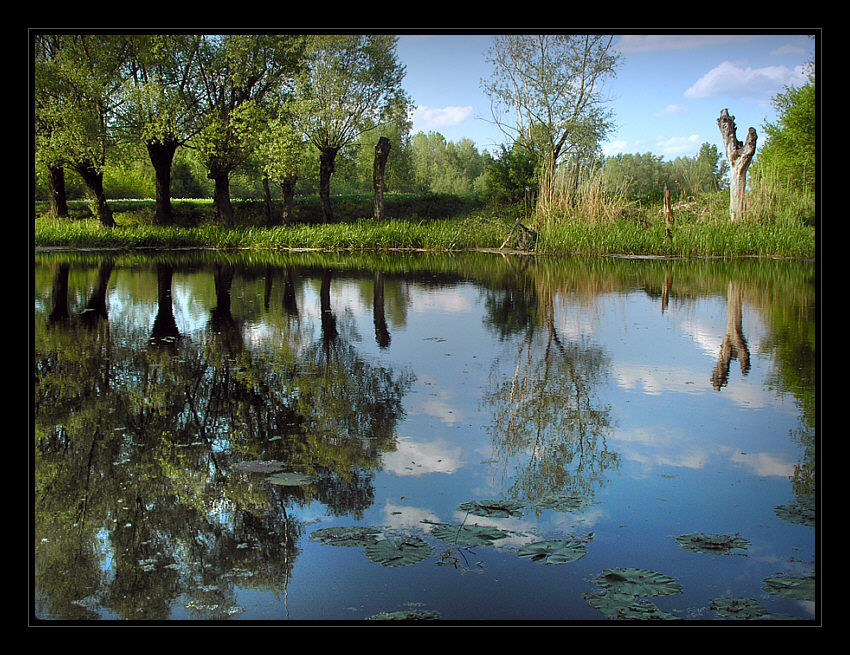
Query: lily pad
x=638 y=582
x=290 y=479
x=406 y=615
x=626 y=607
x=554 y=552
x=802 y=511
x=738 y=608
x=256 y=466
x=745 y=609
x=359 y=535
x=468 y=535
x=787 y=587
x=562 y=502
x=492 y=508
x=698 y=542
x=398 y=553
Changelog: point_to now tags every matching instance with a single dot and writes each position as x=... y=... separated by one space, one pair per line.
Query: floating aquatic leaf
x=787 y=587
x=643 y=610
x=359 y=535
x=468 y=535
x=492 y=508
x=562 y=502
x=745 y=609
x=638 y=582
x=627 y=607
x=711 y=543
x=406 y=615
x=802 y=511
x=271 y=466
x=290 y=479
x=738 y=608
x=610 y=603
x=554 y=552
x=398 y=553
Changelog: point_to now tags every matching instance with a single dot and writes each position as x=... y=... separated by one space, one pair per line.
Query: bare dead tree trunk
x=668 y=213
x=734 y=344
x=382 y=152
x=740 y=156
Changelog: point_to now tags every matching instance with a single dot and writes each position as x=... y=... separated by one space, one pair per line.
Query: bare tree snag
x=668 y=213
x=740 y=156
x=382 y=151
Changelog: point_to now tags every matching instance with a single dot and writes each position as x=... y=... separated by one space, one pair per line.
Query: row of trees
x=232 y=98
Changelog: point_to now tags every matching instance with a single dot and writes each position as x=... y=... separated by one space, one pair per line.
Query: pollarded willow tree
x=160 y=109
x=77 y=82
x=545 y=92
x=243 y=79
x=353 y=85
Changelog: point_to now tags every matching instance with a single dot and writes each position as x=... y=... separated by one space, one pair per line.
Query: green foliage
x=645 y=175
x=790 y=145
x=511 y=177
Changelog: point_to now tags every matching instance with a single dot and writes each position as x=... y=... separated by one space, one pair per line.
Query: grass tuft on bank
x=456 y=225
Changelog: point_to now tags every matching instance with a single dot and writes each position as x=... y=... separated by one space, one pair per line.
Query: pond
x=345 y=437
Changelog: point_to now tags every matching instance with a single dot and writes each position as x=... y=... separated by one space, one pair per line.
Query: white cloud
x=433 y=118
x=670 y=110
x=678 y=146
x=755 y=84
x=658 y=42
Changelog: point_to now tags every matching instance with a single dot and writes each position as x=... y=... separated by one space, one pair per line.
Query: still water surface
x=203 y=421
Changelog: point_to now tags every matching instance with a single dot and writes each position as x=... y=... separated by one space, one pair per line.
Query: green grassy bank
x=431 y=223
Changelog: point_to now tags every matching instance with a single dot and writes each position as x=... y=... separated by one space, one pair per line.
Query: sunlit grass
x=701 y=230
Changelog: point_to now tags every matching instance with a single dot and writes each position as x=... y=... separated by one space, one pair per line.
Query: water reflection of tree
x=546 y=415
x=137 y=499
x=734 y=344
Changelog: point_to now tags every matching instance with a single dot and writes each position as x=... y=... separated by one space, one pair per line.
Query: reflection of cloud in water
x=406 y=516
x=764 y=464
x=658 y=447
x=657 y=380
x=452 y=300
x=421 y=457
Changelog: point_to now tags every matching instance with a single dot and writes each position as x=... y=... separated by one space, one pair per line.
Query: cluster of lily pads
x=624 y=591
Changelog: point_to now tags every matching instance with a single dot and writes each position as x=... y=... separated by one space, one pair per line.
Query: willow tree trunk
x=287 y=187
x=56 y=192
x=327 y=157
x=221 y=197
x=740 y=156
x=93 y=178
x=162 y=158
x=382 y=151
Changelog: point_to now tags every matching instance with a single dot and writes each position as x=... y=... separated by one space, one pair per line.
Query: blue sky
x=666 y=97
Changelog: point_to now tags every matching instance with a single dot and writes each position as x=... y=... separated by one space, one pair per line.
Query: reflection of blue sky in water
x=692 y=458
